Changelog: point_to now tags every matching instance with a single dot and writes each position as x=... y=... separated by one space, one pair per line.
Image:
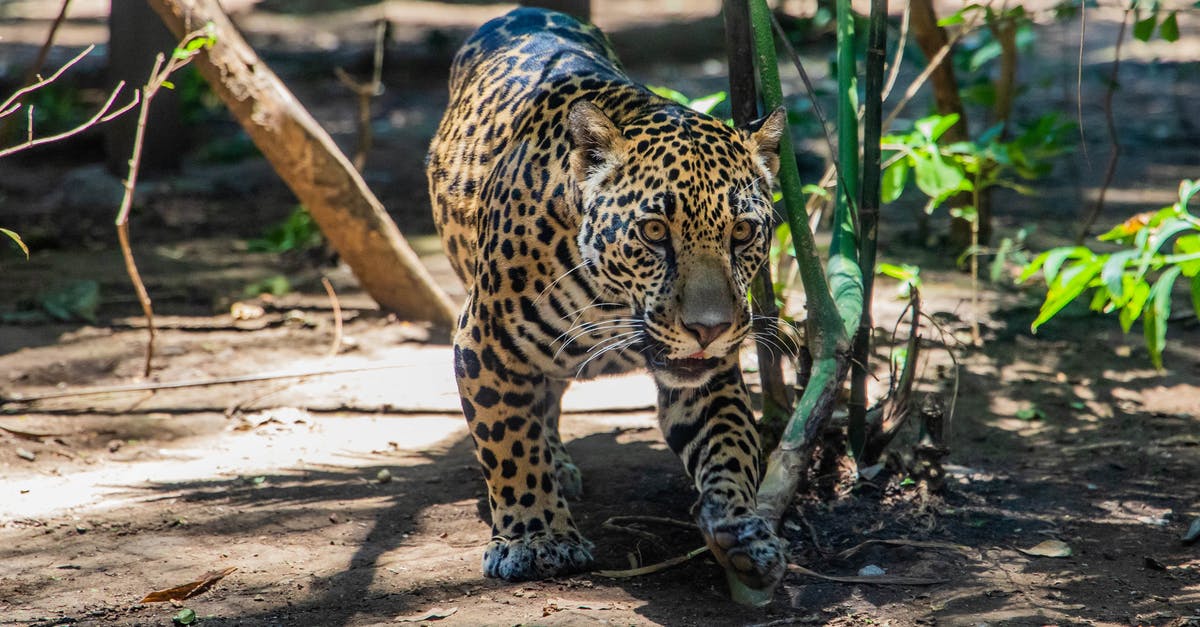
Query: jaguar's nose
x=706 y=333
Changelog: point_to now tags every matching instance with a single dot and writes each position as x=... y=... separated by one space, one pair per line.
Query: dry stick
x=191 y=383
x=879 y=580
x=365 y=92
x=920 y=544
x=657 y=520
x=337 y=317
x=652 y=568
x=1114 y=141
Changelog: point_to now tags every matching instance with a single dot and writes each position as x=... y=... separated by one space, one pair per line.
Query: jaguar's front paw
x=747 y=547
x=536 y=556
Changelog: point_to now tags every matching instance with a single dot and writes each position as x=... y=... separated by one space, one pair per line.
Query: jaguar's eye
x=743 y=231
x=654 y=231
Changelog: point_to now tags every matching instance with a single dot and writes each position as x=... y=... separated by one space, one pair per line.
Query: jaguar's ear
x=597 y=141
x=765 y=134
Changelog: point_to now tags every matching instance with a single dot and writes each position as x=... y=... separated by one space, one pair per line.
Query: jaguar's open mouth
x=687 y=368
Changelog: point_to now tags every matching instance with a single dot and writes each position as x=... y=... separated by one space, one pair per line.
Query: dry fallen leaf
x=1049 y=548
x=188 y=590
x=434 y=614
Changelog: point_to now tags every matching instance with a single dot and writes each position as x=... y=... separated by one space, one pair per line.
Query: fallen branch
x=310 y=163
x=191 y=383
x=879 y=580
x=920 y=544
x=652 y=568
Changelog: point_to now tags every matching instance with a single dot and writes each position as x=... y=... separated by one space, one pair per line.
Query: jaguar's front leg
x=533 y=535
x=712 y=430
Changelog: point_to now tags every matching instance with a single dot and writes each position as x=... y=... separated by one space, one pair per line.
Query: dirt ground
x=348 y=494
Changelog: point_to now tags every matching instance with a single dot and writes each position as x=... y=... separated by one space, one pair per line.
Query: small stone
x=26 y=455
x=871 y=570
x=383 y=476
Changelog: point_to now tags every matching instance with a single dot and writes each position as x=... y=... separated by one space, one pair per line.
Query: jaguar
x=599 y=228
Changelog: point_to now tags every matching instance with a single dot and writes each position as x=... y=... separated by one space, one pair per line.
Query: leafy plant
x=941 y=172
x=297 y=232
x=1136 y=281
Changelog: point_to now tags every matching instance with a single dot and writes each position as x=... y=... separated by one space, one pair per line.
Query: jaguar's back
x=510 y=85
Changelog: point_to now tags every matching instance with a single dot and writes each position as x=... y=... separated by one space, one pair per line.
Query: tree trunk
x=307 y=159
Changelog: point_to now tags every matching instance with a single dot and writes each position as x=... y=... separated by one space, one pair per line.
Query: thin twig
x=337 y=317
x=158 y=77
x=923 y=77
x=652 y=568
x=902 y=42
x=365 y=91
x=1114 y=141
x=46 y=81
x=654 y=520
x=190 y=383
x=102 y=115
x=920 y=544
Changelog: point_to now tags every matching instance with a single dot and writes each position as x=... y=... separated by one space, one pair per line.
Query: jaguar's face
x=676 y=222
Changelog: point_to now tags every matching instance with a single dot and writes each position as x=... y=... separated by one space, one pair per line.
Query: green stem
x=868 y=218
x=824 y=321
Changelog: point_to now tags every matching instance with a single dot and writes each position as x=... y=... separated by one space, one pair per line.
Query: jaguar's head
x=676 y=221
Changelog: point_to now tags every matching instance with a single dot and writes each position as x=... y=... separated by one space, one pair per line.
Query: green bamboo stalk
x=823 y=311
x=868 y=218
x=834 y=300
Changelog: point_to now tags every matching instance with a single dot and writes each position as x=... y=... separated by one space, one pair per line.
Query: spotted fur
x=598 y=228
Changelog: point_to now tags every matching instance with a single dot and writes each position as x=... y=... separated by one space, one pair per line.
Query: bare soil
x=349 y=495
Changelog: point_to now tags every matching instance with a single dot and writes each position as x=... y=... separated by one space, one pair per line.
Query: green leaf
x=16 y=238
x=706 y=104
x=670 y=94
x=1155 y=321
x=932 y=127
x=1031 y=413
x=1143 y=29
x=1169 y=29
x=1033 y=266
x=1196 y=295
x=168 y=85
x=1189 y=245
x=1075 y=281
x=937 y=178
x=1056 y=257
x=1133 y=308
x=893 y=180
x=1114 y=271
x=186 y=616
